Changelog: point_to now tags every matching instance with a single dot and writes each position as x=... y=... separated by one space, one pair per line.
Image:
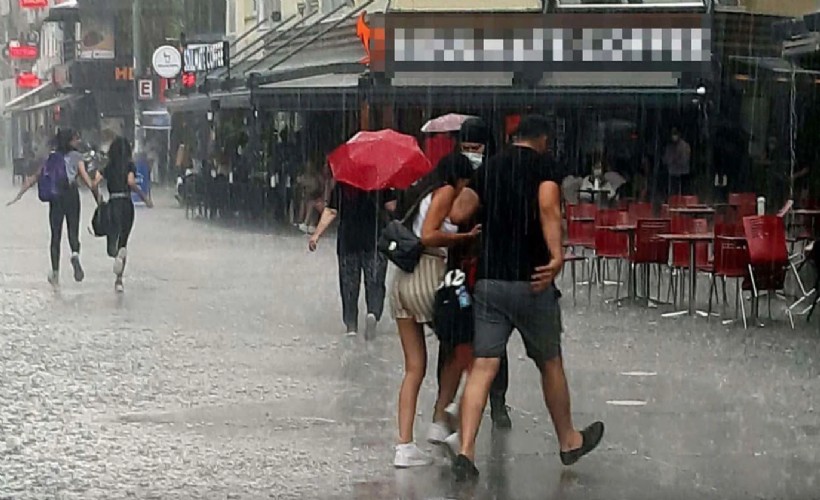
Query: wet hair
x=64 y=138
x=533 y=127
x=474 y=130
x=119 y=152
x=452 y=168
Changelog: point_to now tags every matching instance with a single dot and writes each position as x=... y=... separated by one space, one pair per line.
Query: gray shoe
x=370 y=326
x=54 y=278
x=119 y=261
x=79 y=274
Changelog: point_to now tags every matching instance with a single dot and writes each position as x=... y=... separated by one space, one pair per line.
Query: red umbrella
x=379 y=160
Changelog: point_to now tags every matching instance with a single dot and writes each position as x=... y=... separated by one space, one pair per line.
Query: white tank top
x=447 y=226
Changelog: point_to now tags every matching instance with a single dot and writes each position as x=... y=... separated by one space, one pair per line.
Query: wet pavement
x=223 y=372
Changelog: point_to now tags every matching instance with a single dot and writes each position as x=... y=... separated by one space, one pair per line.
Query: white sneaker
x=54 y=278
x=439 y=431
x=119 y=261
x=409 y=455
x=452 y=410
x=453 y=445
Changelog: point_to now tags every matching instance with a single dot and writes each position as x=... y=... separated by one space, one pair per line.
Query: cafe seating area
x=652 y=256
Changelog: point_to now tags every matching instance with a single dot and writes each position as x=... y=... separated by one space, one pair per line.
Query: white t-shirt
x=447 y=226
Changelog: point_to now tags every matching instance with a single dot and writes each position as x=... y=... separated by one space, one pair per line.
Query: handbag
x=453 y=319
x=399 y=243
x=101 y=220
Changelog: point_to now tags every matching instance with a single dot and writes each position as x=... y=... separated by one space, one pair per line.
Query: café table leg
x=693 y=276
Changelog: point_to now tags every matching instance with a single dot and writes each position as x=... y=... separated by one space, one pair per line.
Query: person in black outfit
x=66 y=209
x=473 y=138
x=120 y=176
x=361 y=218
x=517 y=199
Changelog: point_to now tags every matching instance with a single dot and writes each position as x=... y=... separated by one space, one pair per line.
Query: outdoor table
x=693 y=240
x=694 y=211
x=595 y=192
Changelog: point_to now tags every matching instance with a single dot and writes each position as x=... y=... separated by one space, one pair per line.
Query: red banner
x=28 y=81
x=23 y=51
x=33 y=4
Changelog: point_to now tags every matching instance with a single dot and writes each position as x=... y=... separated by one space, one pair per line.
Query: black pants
x=351 y=267
x=122 y=220
x=65 y=209
x=679 y=185
x=498 y=391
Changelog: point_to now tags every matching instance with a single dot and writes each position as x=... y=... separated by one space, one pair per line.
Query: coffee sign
x=201 y=57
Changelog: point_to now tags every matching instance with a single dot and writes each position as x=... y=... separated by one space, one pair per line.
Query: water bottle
x=761 y=205
x=463 y=297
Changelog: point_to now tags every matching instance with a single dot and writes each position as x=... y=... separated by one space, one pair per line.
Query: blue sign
x=143 y=180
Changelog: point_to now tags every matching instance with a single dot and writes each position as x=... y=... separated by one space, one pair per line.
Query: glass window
x=632 y=3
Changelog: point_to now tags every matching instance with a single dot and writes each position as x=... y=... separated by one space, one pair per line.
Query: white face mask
x=597 y=173
x=477 y=159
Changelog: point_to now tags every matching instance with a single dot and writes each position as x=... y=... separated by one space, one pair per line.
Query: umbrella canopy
x=446 y=123
x=379 y=160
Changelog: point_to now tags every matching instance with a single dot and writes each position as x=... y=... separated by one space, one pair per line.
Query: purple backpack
x=53 y=178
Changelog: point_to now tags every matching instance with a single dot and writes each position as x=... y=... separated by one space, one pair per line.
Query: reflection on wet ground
x=223 y=372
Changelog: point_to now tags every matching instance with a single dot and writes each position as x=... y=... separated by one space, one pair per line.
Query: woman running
x=66 y=207
x=413 y=299
x=120 y=175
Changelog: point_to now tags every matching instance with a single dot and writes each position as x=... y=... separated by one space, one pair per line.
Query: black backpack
x=453 y=319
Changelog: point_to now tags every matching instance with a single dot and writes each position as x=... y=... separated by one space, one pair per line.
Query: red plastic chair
x=649 y=249
x=609 y=245
x=738 y=199
x=581 y=233
x=731 y=262
x=679 y=201
x=639 y=211
x=768 y=256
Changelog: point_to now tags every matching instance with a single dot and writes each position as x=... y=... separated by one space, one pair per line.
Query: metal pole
x=136 y=12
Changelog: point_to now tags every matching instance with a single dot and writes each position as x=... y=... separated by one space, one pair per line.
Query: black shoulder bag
x=399 y=243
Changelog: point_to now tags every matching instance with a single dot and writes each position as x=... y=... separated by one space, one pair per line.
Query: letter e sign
x=146 y=90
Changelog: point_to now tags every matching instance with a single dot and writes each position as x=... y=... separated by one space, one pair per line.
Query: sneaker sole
x=415 y=464
x=370 y=327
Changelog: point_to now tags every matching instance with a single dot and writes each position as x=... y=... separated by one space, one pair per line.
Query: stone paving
x=222 y=372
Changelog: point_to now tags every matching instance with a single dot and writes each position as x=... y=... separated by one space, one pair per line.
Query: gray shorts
x=501 y=306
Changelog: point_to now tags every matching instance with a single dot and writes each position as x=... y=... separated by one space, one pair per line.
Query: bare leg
x=415 y=365
x=556 y=397
x=474 y=400
x=454 y=366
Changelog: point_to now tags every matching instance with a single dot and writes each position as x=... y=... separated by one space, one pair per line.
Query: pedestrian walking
x=57 y=180
x=413 y=298
x=473 y=139
x=518 y=201
x=362 y=215
x=120 y=176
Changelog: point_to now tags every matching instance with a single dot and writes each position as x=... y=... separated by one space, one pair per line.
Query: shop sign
x=123 y=73
x=167 y=62
x=33 y=4
x=22 y=51
x=202 y=57
x=561 y=42
x=145 y=90
x=28 y=80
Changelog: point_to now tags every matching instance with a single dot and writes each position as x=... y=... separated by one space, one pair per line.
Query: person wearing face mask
x=473 y=139
x=677 y=158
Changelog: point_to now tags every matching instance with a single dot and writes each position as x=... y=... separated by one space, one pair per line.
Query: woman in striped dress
x=413 y=294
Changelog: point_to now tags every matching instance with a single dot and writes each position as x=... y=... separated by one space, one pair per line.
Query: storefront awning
x=319 y=83
x=773 y=64
x=17 y=104
x=54 y=101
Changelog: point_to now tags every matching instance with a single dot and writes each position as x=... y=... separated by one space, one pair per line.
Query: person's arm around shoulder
x=441 y=204
x=549 y=205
